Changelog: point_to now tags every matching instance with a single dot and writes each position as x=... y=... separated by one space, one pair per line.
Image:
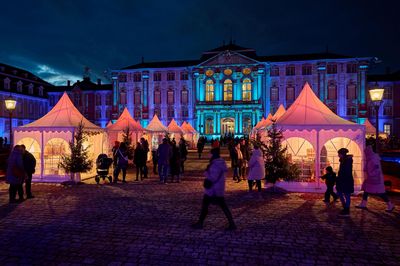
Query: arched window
x=157 y=96
x=19 y=86
x=184 y=96
x=246 y=125
x=351 y=91
x=209 y=90
x=137 y=97
x=170 y=97
x=209 y=126
x=246 y=90
x=122 y=99
x=228 y=90
x=332 y=93
x=290 y=93
x=274 y=93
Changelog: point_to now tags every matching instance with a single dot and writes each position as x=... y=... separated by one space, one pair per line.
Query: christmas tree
x=127 y=138
x=78 y=161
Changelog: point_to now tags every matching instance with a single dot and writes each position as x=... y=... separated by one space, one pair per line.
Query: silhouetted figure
x=121 y=157
x=29 y=166
x=15 y=175
x=330 y=180
x=345 y=181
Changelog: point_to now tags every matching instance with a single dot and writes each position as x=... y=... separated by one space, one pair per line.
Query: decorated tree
x=78 y=161
x=127 y=138
x=278 y=165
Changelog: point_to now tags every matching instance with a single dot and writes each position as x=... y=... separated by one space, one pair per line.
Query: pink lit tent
x=47 y=139
x=109 y=124
x=370 y=130
x=175 y=131
x=313 y=134
x=157 y=131
x=125 y=121
x=279 y=113
x=190 y=134
x=264 y=123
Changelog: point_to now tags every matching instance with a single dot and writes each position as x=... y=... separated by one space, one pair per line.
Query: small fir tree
x=78 y=161
x=127 y=138
x=278 y=165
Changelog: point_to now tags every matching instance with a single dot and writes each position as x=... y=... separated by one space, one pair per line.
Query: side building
x=30 y=93
x=93 y=100
x=230 y=88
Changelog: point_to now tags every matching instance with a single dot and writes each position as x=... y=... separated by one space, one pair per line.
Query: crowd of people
x=168 y=160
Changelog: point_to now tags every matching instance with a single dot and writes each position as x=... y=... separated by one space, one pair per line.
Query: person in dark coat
x=139 y=161
x=164 y=154
x=200 y=146
x=330 y=180
x=145 y=147
x=237 y=162
x=244 y=148
x=345 y=181
x=16 y=175
x=29 y=167
x=154 y=157
x=175 y=162
x=121 y=162
x=183 y=153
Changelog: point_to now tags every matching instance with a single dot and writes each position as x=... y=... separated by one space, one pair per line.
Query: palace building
x=230 y=88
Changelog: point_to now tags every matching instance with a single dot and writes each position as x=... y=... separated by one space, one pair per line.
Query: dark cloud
x=66 y=36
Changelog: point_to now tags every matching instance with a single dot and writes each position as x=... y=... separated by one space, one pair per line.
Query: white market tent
x=313 y=135
x=190 y=134
x=125 y=121
x=48 y=138
x=175 y=131
x=157 y=131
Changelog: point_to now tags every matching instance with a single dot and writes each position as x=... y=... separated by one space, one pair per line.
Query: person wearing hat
x=374 y=182
x=214 y=194
x=345 y=181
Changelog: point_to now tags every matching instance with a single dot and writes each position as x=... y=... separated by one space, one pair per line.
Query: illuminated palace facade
x=230 y=88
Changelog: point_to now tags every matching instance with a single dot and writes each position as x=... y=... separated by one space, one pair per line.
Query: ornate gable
x=228 y=58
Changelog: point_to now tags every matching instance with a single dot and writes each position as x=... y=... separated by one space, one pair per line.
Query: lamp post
x=376 y=95
x=10 y=103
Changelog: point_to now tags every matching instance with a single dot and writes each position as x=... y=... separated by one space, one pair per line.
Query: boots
x=390 y=206
x=362 y=205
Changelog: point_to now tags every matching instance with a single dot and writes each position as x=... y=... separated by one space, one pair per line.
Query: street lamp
x=10 y=103
x=376 y=95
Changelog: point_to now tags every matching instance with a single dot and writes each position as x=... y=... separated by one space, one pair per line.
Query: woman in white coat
x=373 y=183
x=257 y=168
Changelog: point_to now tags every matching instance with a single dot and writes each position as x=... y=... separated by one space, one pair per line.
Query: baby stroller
x=103 y=164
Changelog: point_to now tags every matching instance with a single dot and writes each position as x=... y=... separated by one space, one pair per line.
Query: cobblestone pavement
x=149 y=223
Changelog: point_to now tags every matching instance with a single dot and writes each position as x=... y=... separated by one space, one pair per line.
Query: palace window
x=40 y=91
x=122 y=99
x=387 y=110
x=290 y=94
x=387 y=128
x=351 y=110
x=30 y=89
x=19 y=86
x=98 y=99
x=246 y=129
x=108 y=99
x=157 y=76
x=351 y=91
x=331 y=69
x=184 y=96
x=306 y=70
x=157 y=111
x=137 y=97
x=170 y=97
x=122 y=77
x=351 y=68
x=387 y=94
x=209 y=129
x=209 y=90
x=137 y=77
x=170 y=112
x=170 y=76
x=184 y=76
x=246 y=90
x=274 y=71
x=228 y=90
x=290 y=70
x=332 y=92
x=157 y=96
x=274 y=94
x=7 y=83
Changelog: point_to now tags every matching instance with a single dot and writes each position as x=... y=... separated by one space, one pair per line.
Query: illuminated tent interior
x=313 y=135
x=370 y=130
x=116 y=131
x=157 y=131
x=48 y=138
x=190 y=134
x=175 y=132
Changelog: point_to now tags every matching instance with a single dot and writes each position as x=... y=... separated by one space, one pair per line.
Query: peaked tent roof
x=260 y=123
x=156 y=125
x=308 y=110
x=109 y=124
x=174 y=128
x=279 y=113
x=63 y=115
x=125 y=120
x=186 y=126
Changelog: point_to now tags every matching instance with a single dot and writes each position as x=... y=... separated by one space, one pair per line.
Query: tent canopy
x=279 y=113
x=188 y=127
x=155 y=125
x=63 y=115
x=124 y=121
x=174 y=128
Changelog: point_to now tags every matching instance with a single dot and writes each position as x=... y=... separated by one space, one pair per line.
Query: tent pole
x=42 y=156
x=317 y=163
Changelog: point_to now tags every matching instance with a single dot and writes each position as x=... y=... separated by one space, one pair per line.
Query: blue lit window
x=246 y=90
x=209 y=126
x=209 y=90
x=228 y=90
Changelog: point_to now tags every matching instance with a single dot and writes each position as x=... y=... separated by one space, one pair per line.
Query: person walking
x=29 y=167
x=237 y=161
x=145 y=147
x=121 y=157
x=15 y=174
x=374 y=182
x=330 y=180
x=183 y=153
x=164 y=154
x=154 y=157
x=139 y=161
x=200 y=146
x=215 y=173
x=345 y=180
x=256 y=168
x=244 y=149
x=175 y=163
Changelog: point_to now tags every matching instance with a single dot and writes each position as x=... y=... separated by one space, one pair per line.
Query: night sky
x=57 y=39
